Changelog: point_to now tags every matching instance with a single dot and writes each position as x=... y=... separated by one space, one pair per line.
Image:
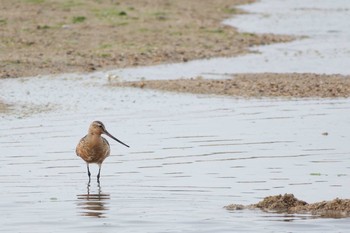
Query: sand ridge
x=293 y=85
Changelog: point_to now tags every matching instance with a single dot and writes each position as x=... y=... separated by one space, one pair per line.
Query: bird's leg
x=99 y=172
x=89 y=173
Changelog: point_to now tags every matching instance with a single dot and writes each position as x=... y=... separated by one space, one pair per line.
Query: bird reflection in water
x=93 y=204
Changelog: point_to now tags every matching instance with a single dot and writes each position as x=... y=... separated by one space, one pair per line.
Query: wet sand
x=256 y=85
x=49 y=37
x=287 y=203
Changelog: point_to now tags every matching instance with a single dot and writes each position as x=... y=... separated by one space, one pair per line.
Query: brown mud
x=256 y=85
x=287 y=203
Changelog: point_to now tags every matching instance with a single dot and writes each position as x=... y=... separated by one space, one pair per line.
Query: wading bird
x=93 y=148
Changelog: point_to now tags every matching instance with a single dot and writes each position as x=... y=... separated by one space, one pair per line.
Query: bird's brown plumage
x=93 y=148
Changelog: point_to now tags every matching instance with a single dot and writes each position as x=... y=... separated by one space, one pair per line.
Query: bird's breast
x=93 y=149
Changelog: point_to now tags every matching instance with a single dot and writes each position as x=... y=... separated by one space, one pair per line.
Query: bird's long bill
x=110 y=135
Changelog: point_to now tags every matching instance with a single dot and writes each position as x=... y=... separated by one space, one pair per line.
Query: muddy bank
x=287 y=203
x=256 y=85
x=45 y=37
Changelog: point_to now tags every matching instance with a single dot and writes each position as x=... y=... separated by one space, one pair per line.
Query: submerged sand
x=3 y=107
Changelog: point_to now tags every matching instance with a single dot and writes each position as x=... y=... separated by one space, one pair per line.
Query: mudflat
x=292 y=85
x=40 y=37
x=60 y=36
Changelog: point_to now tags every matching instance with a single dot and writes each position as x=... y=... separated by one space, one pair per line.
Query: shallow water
x=190 y=155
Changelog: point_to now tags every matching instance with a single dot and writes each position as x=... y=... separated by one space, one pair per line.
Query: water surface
x=190 y=155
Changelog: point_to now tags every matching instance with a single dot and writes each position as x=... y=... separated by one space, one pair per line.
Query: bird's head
x=98 y=128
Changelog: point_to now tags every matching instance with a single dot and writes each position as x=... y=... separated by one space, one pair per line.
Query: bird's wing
x=80 y=145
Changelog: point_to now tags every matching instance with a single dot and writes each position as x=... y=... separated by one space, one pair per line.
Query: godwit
x=93 y=148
